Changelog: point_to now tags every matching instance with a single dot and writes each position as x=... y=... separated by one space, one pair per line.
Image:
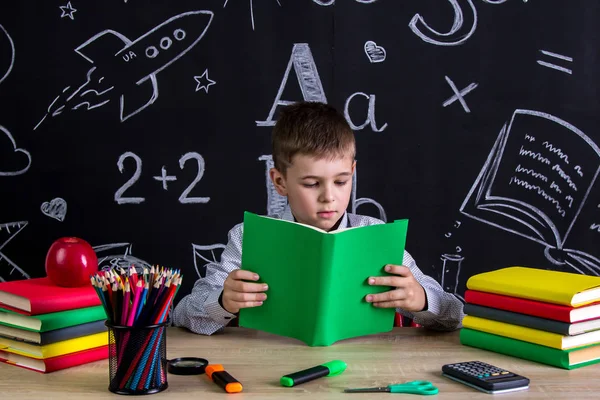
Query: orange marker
x=218 y=375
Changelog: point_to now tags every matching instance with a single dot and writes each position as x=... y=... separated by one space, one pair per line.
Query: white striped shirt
x=201 y=312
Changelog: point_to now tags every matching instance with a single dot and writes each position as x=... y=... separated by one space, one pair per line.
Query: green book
x=51 y=321
x=567 y=359
x=318 y=280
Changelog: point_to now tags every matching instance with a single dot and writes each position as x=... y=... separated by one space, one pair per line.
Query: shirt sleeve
x=200 y=310
x=444 y=310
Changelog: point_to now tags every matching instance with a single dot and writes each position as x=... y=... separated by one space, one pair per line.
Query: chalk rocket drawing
x=116 y=255
x=375 y=54
x=56 y=208
x=204 y=255
x=11 y=271
x=251 y=10
x=68 y=11
x=13 y=160
x=308 y=78
x=6 y=65
x=129 y=69
x=535 y=183
x=276 y=203
x=204 y=82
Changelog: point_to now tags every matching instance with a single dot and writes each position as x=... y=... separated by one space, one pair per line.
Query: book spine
x=72 y=332
x=514 y=347
x=517 y=319
x=523 y=306
x=536 y=336
x=325 y=331
x=75 y=359
x=64 y=319
x=63 y=303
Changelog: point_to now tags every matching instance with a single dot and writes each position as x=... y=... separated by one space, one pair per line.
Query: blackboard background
x=421 y=166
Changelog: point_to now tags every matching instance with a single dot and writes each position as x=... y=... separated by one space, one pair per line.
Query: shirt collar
x=288 y=216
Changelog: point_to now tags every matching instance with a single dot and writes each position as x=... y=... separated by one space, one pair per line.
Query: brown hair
x=310 y=128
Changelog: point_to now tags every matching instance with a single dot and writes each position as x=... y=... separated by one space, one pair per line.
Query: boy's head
x=313 y=153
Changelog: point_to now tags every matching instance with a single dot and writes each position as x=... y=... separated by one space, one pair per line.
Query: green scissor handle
x=414 y=387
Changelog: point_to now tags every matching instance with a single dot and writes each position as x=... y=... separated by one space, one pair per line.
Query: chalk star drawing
x=10 y=230
x=251 y=10
x=68 y=11
x=204 y=82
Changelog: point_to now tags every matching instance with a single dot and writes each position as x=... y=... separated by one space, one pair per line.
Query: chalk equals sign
x=554 y=66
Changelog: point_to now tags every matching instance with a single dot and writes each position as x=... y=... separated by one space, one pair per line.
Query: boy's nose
x=327 y=195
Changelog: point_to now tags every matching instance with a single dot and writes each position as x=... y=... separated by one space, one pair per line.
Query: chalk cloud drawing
x=308 y=78
x=455 y=36
x=118 y=255
x=6 y=65
x=459 y=95
x=68 y=11
x=12 y=271
x=375 y=53
x=554 y=66
x=55 y=208
x=535 y=182
x=13 y=161
x=251 y=10
x=129 y=69
x=204 y=255
x=276 y=203
x=204 y=82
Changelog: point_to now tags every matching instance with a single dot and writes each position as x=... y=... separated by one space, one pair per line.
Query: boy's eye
x=341 y=183
x=310 y=185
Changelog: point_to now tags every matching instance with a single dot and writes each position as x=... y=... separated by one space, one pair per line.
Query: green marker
x=331 y=368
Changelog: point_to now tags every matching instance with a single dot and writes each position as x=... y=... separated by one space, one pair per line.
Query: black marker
x=331 y=368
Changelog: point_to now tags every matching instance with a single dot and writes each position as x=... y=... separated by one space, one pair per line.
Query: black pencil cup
x=137 y=359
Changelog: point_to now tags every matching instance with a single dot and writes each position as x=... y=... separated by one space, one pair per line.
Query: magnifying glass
x=187 y=366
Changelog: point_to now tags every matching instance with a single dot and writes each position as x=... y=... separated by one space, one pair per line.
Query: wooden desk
x=259 y=359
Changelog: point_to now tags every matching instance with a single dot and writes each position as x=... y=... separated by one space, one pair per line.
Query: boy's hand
x=239 y=294
x=407 y=294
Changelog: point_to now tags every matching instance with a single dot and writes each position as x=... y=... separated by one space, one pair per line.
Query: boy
x=313 y=154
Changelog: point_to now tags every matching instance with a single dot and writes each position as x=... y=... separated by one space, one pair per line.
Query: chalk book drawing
x=535 y=183
x=128 y=69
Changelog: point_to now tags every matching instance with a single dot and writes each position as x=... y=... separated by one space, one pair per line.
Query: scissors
x=413 y=387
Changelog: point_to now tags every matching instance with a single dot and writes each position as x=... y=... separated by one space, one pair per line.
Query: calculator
x=485 y=377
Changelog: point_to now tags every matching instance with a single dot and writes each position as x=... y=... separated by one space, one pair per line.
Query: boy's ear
x=278 y=181
x=353 y=167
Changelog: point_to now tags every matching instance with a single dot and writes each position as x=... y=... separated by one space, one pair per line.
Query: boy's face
x=318 y=190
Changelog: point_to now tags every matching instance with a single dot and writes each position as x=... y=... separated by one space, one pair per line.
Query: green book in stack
x=318 y=280
x=51 y=321
x=567 y=359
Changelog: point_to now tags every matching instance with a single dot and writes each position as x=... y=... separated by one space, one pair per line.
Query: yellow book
x=544 y=338
x=54 y=349
x=565 y=288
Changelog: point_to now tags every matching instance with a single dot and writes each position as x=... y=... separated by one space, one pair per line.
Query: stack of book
x=45 y=328
x=545 y=316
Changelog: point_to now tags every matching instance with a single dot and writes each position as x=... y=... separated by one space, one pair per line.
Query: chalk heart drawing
x=55 y=208
x=375 y=53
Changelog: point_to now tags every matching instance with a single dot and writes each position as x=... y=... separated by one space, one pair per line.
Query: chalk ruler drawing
x=12 y=271
x=55 y=208
x=118 y=255
x=276 y=203
x=129 y=69
x=68 y=11
x=307 y=73
x=375 y=53
x=459 y=95
x=535 y=183
x=251 y=10
x=204 y=82
x=554 y=66
x=205 y=255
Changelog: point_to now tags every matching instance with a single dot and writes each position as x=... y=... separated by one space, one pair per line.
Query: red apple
x=70 y=262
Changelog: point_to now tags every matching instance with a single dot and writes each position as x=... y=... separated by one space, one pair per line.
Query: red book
x=531 y=307
x=55 y=363
x=41 y=296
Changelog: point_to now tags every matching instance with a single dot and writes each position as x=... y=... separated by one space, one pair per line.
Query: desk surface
x=258 y=359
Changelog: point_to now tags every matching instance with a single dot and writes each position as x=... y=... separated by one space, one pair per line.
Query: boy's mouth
x=326 y=214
